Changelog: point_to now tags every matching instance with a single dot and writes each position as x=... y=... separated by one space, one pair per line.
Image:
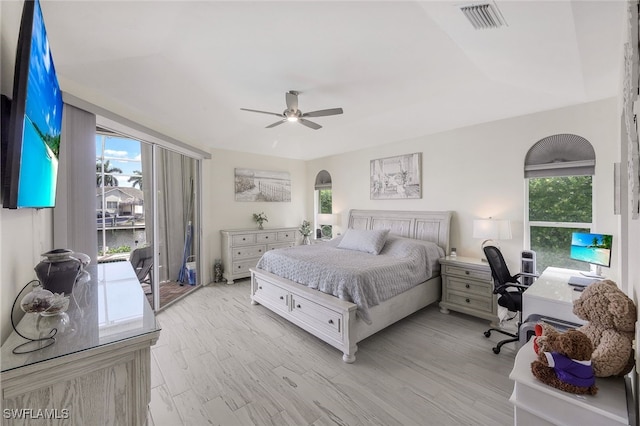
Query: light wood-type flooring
x=222 y=361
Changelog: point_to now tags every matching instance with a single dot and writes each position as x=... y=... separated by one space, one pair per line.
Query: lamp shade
x=325 y=219
x=492 y=229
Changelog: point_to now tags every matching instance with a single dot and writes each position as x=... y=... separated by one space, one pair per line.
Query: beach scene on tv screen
x=42 y=124
x=592 y=248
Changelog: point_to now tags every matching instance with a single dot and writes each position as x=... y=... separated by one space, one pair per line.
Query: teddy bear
x=611 y=317
x=564 y=361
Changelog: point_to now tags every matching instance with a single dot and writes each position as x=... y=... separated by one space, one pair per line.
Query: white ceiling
x=399 y=69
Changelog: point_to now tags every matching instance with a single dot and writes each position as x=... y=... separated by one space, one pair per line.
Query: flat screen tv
x=35 y=122
x=592 y=248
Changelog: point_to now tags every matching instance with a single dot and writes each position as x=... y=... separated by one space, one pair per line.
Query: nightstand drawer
x=468 y=286
x=243 y=240
x=470 y=301
x=240 y=253
x=466 y=272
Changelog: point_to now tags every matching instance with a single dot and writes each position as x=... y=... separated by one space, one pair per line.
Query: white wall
x=478 y=172
x=221 y=211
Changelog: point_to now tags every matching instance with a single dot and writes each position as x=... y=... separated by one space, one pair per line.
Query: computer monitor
x=592 y=248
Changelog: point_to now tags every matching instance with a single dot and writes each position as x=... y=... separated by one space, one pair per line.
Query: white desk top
x=551 y=295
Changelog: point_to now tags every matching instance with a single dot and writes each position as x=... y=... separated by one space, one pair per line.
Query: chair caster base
x=496 y=350
x=487 y=334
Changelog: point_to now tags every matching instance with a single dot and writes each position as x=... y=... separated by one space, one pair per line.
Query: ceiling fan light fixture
x=292 y=118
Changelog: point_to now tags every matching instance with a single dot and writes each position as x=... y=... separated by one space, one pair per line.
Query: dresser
x=467 y=287
x=242 y=248
x=98 y=372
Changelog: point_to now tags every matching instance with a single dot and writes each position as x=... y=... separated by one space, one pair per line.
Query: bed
x=338 y=320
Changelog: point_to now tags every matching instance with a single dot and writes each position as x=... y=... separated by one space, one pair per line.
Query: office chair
x=142 y=261
x=510 y=290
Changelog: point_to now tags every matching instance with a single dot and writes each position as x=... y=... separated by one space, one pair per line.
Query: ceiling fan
x=292 y=113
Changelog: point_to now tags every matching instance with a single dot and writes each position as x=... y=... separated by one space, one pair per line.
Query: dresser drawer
x=272 y=294
x=468 y=286
x=239 y=253
x=324 y=320
x=242 y=266
x=266 y=237
x=243 y=240
x=280 y=245
x=286 y=236
x=470 y=301
x=461 y=271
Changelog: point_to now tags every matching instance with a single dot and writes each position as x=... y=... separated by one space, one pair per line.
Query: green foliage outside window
x=558 y=199
x=325 y=201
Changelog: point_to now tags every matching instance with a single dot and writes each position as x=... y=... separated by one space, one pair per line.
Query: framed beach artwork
x=396 y=177
x=262 y=185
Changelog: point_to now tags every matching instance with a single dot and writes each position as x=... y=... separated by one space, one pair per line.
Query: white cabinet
x=242 y=248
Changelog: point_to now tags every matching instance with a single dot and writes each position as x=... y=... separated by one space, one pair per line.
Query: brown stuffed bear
x=564 y=362
x=611 y=317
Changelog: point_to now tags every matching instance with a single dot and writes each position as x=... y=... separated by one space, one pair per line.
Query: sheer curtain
x=74 y=217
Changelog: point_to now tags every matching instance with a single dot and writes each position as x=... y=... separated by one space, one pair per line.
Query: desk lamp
x=490 y=230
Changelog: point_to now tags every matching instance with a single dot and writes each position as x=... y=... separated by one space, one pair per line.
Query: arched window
x=559 y=171
x=323 y=205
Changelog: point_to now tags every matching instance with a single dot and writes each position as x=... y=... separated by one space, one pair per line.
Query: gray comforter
x=362 y=278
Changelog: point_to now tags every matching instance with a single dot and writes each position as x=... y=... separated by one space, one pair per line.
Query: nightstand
x=467 y=287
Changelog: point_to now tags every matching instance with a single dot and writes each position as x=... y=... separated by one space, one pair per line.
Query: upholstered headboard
x=421 y=225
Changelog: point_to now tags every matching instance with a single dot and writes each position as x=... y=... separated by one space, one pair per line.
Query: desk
x=536 y=404
x=99 y=370
x=551 y=296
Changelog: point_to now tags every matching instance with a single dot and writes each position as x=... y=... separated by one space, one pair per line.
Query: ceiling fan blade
x=323 y=112
x=277 y=123
x=314 y=126
x=292 y=100
x=262 y=112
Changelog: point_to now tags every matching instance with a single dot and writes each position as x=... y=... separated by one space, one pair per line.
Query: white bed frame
x=334 y=320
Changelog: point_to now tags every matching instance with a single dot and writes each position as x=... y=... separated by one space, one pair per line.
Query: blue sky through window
x=122 y=153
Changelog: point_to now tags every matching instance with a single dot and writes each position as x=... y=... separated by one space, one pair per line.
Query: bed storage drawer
x=272 y=294
x=323 y=319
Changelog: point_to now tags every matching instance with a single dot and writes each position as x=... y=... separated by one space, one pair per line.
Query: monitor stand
x=596 y=272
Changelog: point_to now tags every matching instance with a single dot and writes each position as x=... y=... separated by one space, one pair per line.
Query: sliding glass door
x=147 y=205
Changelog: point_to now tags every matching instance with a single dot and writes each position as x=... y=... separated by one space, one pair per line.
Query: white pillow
x=368 y=241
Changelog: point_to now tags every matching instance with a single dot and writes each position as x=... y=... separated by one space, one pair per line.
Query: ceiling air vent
x=484 y=16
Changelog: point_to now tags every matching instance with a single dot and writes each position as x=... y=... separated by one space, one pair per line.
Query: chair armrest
x=520 y=287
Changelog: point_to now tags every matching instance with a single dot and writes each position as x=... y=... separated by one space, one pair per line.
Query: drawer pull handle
x=330 y=321
x=467 y=285
x=466 y=272
x=286 y=235
x=239 y=253
x=244 y=239
x=266 y=237
x=281 y=297
x=260 y=287
x=298 y=306
x=467 y=300
x=239 y=267
x=259 y=250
